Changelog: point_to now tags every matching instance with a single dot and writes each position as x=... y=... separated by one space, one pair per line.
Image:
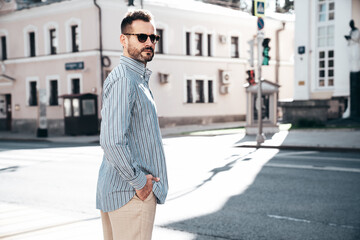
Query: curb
x=47 y=141
x=308 y=148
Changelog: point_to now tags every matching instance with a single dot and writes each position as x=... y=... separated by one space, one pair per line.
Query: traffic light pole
x=260 y=138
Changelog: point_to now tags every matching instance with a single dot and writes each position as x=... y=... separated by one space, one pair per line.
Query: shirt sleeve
x=118 y=100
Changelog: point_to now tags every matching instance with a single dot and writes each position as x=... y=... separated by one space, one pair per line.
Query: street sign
x=74 y=66
x=260 y=23
x=259 y=8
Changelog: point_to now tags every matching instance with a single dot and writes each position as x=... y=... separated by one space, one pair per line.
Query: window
x=209 y=45
x=189 y=94
x=326 y=10
x=53 y=41
x=75 y=85
x=74 y=38
x=73 y=34
x=53 y=100
x=51 y=38
x=33 y=93
x=210 y=91
x=326 y=68
x=32 y=52
x=30 y=41
x=325 y=43
x=325 y=36
x=188 y=46
x=199 y=91
x=3 y=48
x=159 y=47
x=67 y=107
x=198 y=44
x=234 y=47
x=76 y=107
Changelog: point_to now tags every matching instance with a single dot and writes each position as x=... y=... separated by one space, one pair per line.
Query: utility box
x=81 y=114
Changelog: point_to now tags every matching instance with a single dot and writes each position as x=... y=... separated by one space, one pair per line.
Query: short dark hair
x=131 y=16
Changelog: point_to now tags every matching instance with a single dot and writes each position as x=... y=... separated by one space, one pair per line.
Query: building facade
x=199 y=69
x=322 y=54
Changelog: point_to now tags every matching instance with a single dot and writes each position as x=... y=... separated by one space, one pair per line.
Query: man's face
x=143 y=52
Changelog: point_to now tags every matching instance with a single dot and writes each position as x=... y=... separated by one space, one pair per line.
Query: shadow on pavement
x=283 y=204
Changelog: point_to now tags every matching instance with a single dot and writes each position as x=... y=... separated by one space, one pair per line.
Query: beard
x=143 y=55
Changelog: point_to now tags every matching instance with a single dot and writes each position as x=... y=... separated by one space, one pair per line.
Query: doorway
x=5 y=112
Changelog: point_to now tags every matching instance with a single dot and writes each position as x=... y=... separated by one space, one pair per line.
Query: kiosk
x=269 y=108
x=80 y=114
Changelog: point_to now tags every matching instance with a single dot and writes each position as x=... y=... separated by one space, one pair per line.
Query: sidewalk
x=330 y=139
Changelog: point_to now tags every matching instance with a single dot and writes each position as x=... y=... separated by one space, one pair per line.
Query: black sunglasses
x=142 y=37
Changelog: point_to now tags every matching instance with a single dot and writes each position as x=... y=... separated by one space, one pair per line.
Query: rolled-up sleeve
x=118 y=99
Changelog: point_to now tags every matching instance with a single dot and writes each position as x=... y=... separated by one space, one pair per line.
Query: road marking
x=297 y=153
x=325 y=168
x=320 y=158
x=308 y=221
x=289 y=218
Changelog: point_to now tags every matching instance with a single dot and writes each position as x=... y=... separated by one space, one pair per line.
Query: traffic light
x=266 y=51
x=251 y=77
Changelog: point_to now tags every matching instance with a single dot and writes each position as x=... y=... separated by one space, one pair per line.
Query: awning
x=6 y=80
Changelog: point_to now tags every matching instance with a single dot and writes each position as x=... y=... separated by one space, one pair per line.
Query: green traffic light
x=266 y=56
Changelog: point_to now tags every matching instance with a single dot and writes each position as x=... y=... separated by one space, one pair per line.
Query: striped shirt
x=130 y=138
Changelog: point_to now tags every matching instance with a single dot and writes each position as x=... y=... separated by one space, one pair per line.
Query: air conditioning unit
x=222 y=39
x=224 y=89
x=164 y=78
x=224 y=77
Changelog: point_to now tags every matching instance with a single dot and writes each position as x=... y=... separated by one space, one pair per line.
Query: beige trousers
x=134 y=221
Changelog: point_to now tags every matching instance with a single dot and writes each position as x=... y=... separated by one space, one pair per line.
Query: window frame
x=237 y=46
x=48 y=88
x=47 y=37
x=69 y=82
x=4 y=33
x=3 y=48
x=325 y=36
x=198 y=42
x=205 y=91
x=27 y=47
x=159 y=47
x=191 y=43
x=28 y=80
x=69 y=37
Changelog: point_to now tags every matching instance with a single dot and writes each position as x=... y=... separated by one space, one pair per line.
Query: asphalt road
x=216 y=191
x=296 y=195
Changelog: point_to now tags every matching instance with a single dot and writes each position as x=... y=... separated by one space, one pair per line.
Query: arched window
x=30 y=44
x=73 y=35
x=51 y=35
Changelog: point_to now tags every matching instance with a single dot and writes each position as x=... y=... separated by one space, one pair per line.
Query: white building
x=56 y=47
x=321 y=60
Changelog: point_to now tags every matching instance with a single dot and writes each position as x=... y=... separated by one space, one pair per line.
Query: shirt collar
x=136 y=66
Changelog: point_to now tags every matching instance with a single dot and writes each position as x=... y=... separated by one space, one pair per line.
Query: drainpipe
x=100 y=45
x=277 y=66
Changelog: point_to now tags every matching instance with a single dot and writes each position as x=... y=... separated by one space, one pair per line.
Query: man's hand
x=147 y=189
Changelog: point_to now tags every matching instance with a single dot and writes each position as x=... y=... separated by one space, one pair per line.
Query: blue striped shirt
x=130 y=138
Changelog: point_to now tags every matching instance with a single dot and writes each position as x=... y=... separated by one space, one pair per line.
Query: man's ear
x=123 y=40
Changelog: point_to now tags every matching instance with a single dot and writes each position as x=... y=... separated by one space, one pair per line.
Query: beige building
x=199 y=70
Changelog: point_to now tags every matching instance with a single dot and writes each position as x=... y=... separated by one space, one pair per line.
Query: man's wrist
x=139 y=181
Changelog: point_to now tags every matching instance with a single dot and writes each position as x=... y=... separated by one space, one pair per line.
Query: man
x=132 y=177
